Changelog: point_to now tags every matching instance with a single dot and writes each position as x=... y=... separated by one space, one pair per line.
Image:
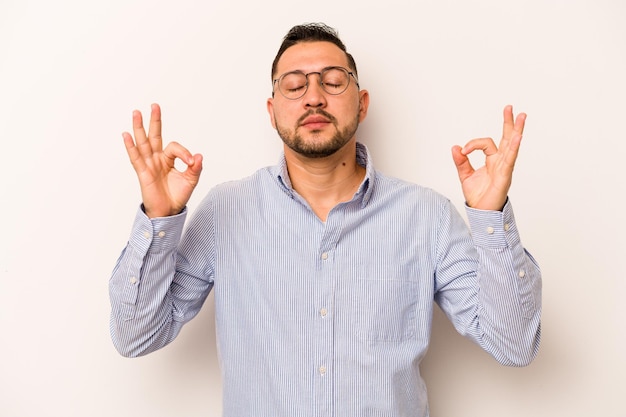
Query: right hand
x=164 y=189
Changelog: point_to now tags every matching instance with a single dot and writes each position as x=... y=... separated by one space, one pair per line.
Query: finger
x=486 y=145
x=143 y=146
x=512 y=150
x=511 y=127
x=192 y=173
x=154 y=132
x=520 y=122
x=194 y=162
x=175 y=150
x=463 y=165
x=133 y=153
x=138 y=130
x=508 y=123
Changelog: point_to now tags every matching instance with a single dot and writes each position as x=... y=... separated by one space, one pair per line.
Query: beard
x=313 y=148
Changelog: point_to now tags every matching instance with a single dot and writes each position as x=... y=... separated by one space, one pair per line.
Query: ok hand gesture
x=165 y=190
x=486 y=188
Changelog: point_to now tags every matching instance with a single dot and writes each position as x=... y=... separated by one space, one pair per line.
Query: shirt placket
x=325 y=315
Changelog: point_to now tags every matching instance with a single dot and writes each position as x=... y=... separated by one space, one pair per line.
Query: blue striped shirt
x=327 y=319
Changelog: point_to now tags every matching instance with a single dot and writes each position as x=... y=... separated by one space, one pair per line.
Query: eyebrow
x=314 y=72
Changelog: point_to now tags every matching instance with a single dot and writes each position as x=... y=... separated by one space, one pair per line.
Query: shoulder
x=244 y=192
x=242 y=187
x=403 y=190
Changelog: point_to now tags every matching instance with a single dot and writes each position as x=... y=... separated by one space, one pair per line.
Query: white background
x=439 y=73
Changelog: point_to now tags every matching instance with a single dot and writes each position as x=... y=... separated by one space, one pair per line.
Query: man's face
x=318 y=124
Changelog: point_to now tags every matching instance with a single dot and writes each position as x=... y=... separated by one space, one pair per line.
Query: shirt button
x=490 y=230
x=507 y=227
x=146 y=235
x=521 y=274
x=323 y=312
x=322 y=370
x=161 y=234
x=324 y=256
x=133 y=280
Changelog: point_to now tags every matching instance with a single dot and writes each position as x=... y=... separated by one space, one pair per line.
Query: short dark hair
x=312 y=32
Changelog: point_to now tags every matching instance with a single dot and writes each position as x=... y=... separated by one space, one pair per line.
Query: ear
x=270 y=110
x=364 y=102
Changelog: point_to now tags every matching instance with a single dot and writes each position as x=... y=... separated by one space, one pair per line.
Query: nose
x=315 y=96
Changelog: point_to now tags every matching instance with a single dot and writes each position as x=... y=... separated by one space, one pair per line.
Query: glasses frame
x=276 y=81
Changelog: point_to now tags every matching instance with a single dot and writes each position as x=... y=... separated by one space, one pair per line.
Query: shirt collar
x=363 y=158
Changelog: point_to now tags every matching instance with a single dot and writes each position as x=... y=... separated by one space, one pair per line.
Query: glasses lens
x=293 y=85
x=335 y=80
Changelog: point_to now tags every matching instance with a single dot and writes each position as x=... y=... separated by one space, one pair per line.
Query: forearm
x=142 y=317
x=509 y=308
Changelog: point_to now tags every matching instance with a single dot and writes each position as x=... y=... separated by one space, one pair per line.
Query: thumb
x=194 y=167
x=463 y=165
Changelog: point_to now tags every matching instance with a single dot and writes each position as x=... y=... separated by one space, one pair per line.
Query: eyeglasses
x=333 y=80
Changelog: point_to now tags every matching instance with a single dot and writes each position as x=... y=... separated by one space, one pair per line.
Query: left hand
x=487 y=187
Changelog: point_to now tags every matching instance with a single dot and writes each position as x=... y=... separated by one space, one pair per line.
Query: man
x=325 y=271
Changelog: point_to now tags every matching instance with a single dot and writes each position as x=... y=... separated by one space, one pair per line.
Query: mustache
x=319 y=112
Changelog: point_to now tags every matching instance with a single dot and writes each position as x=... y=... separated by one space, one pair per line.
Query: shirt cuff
x=493 y=229
x=158 y=234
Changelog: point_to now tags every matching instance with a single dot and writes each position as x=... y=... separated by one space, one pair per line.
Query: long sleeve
x=327 y=318
x=498 y=306
x=147 y=312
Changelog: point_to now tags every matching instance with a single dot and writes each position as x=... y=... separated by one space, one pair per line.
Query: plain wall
x=439 y=73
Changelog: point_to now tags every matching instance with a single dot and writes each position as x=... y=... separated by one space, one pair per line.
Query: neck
x=325 y=182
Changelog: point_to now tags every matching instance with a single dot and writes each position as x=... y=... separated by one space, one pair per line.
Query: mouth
x=315 y=121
